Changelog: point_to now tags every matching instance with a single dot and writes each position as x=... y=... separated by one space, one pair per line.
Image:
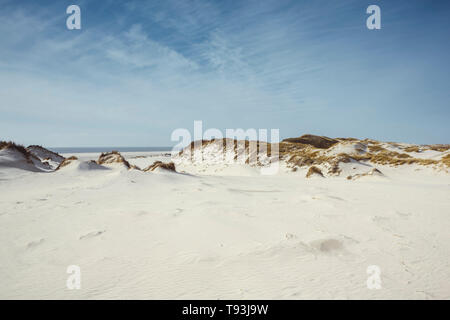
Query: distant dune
x=33 y=158
x=332 y=157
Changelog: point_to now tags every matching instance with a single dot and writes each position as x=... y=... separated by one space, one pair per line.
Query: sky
x=138 y=70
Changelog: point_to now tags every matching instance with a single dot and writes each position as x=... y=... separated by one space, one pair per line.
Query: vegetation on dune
x=313 y=170
x=309 y=150
x=305 y=151
x=375 y=148
x=446 y=160
x=66 y=162
x=412 y=149
x=321 y=142
x=12 y=145
x=19 y=148
x=372 y=172
x=32 y=147
x=159 y=164
x=438 y=147
x=113 y=157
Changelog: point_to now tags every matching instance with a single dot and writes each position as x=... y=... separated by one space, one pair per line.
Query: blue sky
x=137 y=70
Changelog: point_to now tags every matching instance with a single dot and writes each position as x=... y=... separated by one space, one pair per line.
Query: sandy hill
x=330 y=156
x=159 y=165
x=74 y=164
x=33 y=158
x=317 y=156
x=114 y=158
x=46 y=156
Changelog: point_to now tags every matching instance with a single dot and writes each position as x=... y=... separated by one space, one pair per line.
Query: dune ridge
x=332 y=156
x=329 y=156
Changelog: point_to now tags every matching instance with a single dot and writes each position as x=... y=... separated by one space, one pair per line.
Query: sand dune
x=333 y=157
x=223 y=230
x=16 y=156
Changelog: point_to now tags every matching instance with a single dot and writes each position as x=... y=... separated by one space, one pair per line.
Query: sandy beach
x=222 y=232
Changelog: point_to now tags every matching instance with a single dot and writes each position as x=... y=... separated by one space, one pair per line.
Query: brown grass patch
x=438 y=147
x=41 y=148
x=334 y=169
x=297 y=154
x=412 y=149
x=66 y=162
x=320 y=142
x=446 y=160
x=372 y=172
x=376 y=148
x=395 y=144
x=310 y=156
x=314 y=170
x=113 y=157
x=18 y=147
x=159 y=164
x=394 y=158
x=252 y=151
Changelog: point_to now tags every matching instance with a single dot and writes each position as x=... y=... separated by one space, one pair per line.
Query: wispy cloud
x=138 y=70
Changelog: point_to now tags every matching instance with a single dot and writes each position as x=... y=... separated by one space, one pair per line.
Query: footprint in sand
x=34 y=244
x=381 y=221
x=91 y=234
x=177 y=212
x=404 y=215
x=290 y=236
x=336 y=198
x=291 y=291
x=333 y=246
x=327 y=245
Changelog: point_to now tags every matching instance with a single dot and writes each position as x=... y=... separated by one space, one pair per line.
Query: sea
x=107 y=149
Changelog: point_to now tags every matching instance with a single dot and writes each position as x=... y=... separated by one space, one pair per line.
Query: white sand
x=223 y=233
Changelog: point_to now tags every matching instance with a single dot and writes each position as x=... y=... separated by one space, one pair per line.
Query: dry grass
x=334 y=169
x=39 y=151
x=252 y=151
x=438 y=147
x=314 y=170
x=372 y=172
x=394 y=159
x=297 y=154
x=446 y=160
x=309 y=156
x=28 y=152
x=159 y=164
x=66 y=162
x=320 y=142
x=15 y=146
x=376 y=148
x=412 y=149
x=395 y=144
x=113 y=157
